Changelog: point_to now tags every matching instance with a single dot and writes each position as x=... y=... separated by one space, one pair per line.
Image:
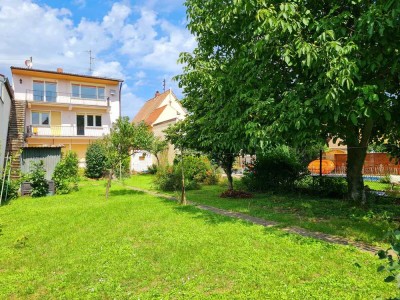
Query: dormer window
x=88 y=92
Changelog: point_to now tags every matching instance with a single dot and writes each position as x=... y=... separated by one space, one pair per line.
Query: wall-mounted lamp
x=20 y=81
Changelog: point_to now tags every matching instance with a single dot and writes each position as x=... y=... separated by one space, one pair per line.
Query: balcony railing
x=66 y=131
x=65 y=98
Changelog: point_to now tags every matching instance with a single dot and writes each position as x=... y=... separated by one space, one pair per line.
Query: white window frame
x=88 y=85
x=40 y=118
x=44 y=88
x=94 y=121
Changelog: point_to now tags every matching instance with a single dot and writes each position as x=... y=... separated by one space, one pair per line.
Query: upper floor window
x=44 y=91
x=87 y=91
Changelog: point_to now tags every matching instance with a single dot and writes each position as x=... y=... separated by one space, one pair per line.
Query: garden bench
x=394 y=180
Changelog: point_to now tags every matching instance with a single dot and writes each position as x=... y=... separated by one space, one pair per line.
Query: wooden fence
x=375 y=164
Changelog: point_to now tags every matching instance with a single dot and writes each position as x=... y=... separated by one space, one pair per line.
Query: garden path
x=266 y=223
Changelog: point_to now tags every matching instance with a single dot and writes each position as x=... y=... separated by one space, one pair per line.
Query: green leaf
x=382 y=254
x=353 y=119
x=390 y=278
x=381 y=268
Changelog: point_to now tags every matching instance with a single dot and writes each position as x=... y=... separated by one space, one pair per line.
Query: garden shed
x=50 y=156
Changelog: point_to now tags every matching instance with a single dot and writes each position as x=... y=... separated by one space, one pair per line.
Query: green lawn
x=136 y=246
x=325 y=215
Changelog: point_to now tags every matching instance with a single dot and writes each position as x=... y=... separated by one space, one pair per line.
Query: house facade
x=6 y=98
x=159 y=112
x=65 y=109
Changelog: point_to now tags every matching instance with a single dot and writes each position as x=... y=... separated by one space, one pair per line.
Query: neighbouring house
x=159 y=113
x=55 y=109
x=6 y=99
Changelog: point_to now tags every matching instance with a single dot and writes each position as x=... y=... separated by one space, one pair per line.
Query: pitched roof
x=149 y=107
x=62 y=73
x=154 y=115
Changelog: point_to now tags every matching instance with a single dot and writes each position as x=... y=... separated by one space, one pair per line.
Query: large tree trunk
x=355 y=162
x=357 y=145
x=227 y=165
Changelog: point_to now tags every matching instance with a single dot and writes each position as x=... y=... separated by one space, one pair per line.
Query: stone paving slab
x=259 y=221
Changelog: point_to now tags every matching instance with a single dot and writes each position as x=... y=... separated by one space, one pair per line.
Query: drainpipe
x=120 y=89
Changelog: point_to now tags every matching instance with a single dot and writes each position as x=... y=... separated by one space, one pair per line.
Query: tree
x=123 y=138
x=192 y=133
x=298 y=69
x=157 y=146
x=95 y=160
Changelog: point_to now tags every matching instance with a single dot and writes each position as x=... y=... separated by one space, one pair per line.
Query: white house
x=159 y=113
x=65 y=109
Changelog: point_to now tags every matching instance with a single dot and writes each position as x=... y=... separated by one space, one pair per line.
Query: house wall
x=5 y=108
x=23 y=92
x=158 y=130
x=141 y=161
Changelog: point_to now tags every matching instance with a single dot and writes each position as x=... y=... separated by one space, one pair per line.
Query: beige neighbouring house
x=59 y=109
x=159 y=112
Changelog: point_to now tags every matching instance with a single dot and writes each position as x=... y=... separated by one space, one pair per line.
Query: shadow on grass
x=208 y=217
x=126 y=193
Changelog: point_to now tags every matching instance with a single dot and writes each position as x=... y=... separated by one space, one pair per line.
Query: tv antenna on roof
x=29 y=63
x=164 y=84
x=91 y=59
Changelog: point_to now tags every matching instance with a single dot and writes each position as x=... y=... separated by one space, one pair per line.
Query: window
x=44 y=91
x=40 y=118
x=92 y=121
x=87 y=91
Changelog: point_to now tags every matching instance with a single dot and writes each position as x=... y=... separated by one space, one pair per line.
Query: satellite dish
x=28 y=64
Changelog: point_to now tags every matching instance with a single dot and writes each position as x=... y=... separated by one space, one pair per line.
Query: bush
x=169 y=178
x=212 y=177
x=335 y=187
x=66 y=175
x=152 y=169
x=10 y=189
x=277 y=168
x=195 y=167
x=95 y=161
x=39 y=184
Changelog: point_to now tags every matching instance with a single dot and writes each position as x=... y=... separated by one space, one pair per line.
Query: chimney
x=157 y=94
x=59 y=70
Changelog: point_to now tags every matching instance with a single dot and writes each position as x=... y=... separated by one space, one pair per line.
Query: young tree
x=297 y=70
x=157 y=146
x=123 y=138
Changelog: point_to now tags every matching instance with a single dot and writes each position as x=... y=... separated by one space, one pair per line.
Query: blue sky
x=137 y=41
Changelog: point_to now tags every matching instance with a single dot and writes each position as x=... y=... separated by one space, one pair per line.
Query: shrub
x=335 y=187
x=212 y=177
x=169 y=178
x=10 y=189
x=152 y=169
x=95 y=161
x=39 y=184
x=65 y=174
x=274 y=169
x=195 y=167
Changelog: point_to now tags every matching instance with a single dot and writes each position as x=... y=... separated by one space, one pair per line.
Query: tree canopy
x=292 y=71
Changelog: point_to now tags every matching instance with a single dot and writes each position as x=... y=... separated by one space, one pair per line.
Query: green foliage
x=95 y=161
x=276 y=168
x=392 y=257
x=65 y=174
x=289 y=72
x=157 y=146
x=152 y=169
x=10 y=189
x=40 y=186
x=169 y=178
x=333 y=187
x=197 y=169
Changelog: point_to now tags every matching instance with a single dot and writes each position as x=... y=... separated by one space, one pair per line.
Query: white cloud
x=131 y=103
x=80 y=3
x=111 y=69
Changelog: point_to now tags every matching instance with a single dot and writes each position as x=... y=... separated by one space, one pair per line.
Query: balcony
x=64 y=98
x=66 y=131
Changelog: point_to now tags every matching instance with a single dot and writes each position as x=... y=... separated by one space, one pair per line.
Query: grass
x=139 y=246
x=330 y=216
